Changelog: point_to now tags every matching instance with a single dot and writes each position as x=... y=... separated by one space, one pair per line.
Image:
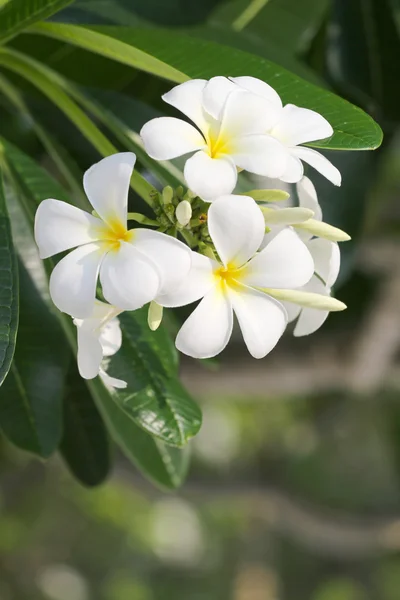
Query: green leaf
x=8 y=290
x=85 y=444
x=111 y=47
x=164 y=465
x=154 y=398
x=30 y=403
x=193 y=58
x=20 y=14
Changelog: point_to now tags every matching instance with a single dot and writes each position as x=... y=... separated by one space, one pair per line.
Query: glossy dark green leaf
x=164 y=465
x=363 y=42
x=8 y=290
x=182 y=57
x=30 y=403
x=17 y=15
x=154 y=397
x=85 y=444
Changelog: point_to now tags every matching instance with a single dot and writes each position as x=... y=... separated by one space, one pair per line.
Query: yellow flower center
x=113 y=232
x=217 y=144
x=229 y=275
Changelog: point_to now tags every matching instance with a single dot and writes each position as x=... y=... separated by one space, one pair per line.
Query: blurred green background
x=293 y=491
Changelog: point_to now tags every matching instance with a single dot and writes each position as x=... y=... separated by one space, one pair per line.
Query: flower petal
x=106 y=185
x=236 y=226
x=294 y=170
x=319 y=162
x=210 y=177
x=73 y=280
x=90 y=353
x=188 y=99
x=215 y=95
x=252 y=84
x=112 y=382
x=245 y=113
x=326 y=256
x=300 y=125
x=111 y=337
x=308 y=197
x=60 y=226
x=196 y=285
x=262 y=319
x=129 y=278
x=166 y=137
x=172 y=258
x=284 y=263
x=208 y=329
x=259 y=154
x=311 y=319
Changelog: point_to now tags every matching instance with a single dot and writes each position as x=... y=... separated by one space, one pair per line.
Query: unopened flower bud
x=154 y=316
x=167 y=194
x=183 y=213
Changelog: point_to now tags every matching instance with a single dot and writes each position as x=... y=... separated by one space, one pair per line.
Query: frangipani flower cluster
x=243 y=257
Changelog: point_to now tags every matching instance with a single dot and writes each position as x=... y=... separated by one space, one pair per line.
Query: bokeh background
x=293 y=491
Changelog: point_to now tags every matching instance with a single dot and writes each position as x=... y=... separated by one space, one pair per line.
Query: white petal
x=111 y=337
x=107 y=186
x=300 y=125
x=311 y=319
x=236 y=226
x=293 y=310
x=90 y=353
x=172 y=258
x=112 y=382
x=60 y=226
x=73 y=280
x=246 y=113
x=262 y=319
x=166 y=137
x=284 y=263
x=210 y=177
x=252 y=84
x=259 y=154
x=208 y=329
x=294 y=170
x=215 y=95
x=188 y=98
x=308 y=197
x=319 y=162
x=196 y=285
x=129 y=278
x=326 y=257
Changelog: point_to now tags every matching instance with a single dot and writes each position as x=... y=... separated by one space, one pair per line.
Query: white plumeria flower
x=134 y=266
x=294 y=126
x=236 y=226
x=99 y=336
x=326 y=256
x=230 y=133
